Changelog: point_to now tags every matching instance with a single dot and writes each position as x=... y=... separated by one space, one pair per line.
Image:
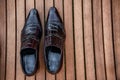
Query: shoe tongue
x=54 y=41
x=30 y=43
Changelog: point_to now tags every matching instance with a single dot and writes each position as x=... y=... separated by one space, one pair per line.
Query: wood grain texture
x=48 y=4
x=107 y=28
x=116 y=29
x=29 y=6
x=69 y=45
x=98 y=40
x=11 y=43
x=20 y=23
x=2 y=39
x=88 y=39
x=41 y=72
x=79 y=49
x=92 y=39
x=59 y=6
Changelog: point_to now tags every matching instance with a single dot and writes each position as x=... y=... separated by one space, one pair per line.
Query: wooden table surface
x=92 y=47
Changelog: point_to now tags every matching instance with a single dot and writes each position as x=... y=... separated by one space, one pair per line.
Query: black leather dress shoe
x=54 y=41
x=30 y=38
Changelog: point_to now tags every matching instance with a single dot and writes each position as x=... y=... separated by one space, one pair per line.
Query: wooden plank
x=48 y=4
x=41 y=71
x=11 y=45
x=59 y=6
x=29 y=6
x=2 y=39
x=116 y=28
x=78 y=26
x=68 y=20
x=98 y=40
x=107 y=27
x=88 y=37
x=20 y=23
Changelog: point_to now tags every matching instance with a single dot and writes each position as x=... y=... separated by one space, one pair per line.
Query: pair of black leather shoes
x=54 y=37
